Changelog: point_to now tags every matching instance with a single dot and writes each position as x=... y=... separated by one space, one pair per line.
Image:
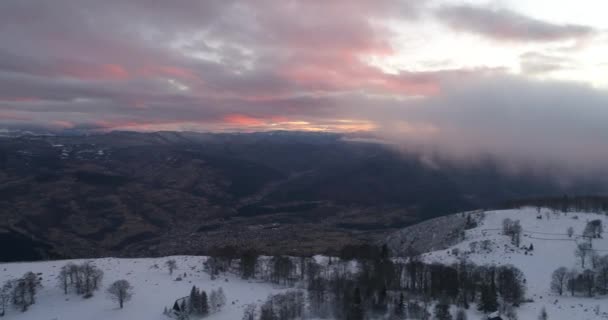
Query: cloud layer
x=296 y=65
x=504 y=24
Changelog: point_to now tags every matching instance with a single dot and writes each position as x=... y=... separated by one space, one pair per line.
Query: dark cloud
x=504 y=24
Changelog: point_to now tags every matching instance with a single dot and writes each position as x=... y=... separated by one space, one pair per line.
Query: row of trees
x=379 y=286
x=21 y=292
x=565 y=203
x=594 y=229
x=588 y=282
x=82 y=279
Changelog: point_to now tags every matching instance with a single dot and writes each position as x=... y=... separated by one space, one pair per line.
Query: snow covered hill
x=546 y=231
x=483 y=243
x=154 y=289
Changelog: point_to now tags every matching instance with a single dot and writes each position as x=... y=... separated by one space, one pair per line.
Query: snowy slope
x=552 y=249
x=153 y=290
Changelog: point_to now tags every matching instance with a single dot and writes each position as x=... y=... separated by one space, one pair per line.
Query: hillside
x=154 y=289
x=481 y=243
x=168 y=193
x=552 y=248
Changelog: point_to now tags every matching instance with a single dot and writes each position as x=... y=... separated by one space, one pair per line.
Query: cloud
x=128 y=62
x=503 y=24
x=540 y=124
x=534 y=63
x=297 y=65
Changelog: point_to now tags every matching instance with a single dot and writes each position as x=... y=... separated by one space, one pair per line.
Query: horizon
x=516 y=79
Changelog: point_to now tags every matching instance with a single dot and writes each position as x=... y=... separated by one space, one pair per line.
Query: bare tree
x=582 y=251
x=5 y=296
x=64 y=279
x=171 y=265
x=249 y=312
x=570 y=232
x=512 y=229
x=461 y=314
x=558 y=280
x=120 y=291
x=32 y=282
x=602 y=275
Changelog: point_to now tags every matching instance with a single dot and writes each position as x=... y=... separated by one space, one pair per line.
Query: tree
x=543 y=314
x=194 y=301
x=510 y=284
x=356 y=311
x=217 y=300
x=248 y=262
x=602 y=275
x=588 y=280
x=571 y=281
x=570 y=232
x=558 y=280
x=120 y=291
x=510 y=313
x=488 y=300
x=594 y=229
x=171 y=265
x=582 y=251
x=24 y=289
x=442 y=310
x=204 y=303
x=461 y=314
x=399 y=305
x=91 y=278
x=31 y=282
x=5 y=296
x=64 y=279
x=249 y=312
x=513 y=229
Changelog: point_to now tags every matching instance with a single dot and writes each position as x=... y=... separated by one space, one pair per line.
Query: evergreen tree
x=204 y=303
x=183 y=306
x=176 y=308
x=194 y=301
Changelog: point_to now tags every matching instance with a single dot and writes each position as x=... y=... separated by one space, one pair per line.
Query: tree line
x=370 y=283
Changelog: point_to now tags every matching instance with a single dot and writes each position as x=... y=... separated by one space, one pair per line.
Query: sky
x=524 y=77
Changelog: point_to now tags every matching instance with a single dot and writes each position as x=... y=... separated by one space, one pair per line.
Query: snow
x=153 y=290
x=552 y=249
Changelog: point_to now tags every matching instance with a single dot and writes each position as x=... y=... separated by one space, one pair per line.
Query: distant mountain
x=147 y=194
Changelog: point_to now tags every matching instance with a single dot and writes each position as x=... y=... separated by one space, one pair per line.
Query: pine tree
x=183 y=306
x=176 y=308
x=194 y=301
x=204 y=303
